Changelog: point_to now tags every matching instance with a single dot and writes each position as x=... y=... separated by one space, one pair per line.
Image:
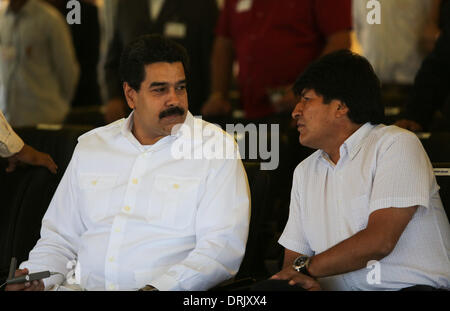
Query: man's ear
x=130 y=95
x=341 y=109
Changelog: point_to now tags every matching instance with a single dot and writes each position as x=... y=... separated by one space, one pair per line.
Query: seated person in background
x=431 y=91
x=132 y=214
x=13 y=148
x=367 y=196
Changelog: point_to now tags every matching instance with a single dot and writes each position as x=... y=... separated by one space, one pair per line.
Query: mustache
x=171 y=111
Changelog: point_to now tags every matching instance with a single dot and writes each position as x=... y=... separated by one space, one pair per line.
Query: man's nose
x=172 y=98
x=298 y=110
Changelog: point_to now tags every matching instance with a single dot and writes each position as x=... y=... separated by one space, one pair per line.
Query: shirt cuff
x=13 y=144
x=166 y=283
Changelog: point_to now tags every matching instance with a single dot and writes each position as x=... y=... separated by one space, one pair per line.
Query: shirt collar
x=351 y=145
x=354 y=143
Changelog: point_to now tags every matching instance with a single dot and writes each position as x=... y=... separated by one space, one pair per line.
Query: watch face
x=300 y=262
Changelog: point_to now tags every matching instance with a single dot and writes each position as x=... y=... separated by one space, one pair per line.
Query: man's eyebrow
x=155 y=84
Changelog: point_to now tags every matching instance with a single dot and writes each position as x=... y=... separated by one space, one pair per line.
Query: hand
x=295 y=277
x=31 y=156
x=115 y=109
x=409 y=125
x=37 y=285
x=216 y=105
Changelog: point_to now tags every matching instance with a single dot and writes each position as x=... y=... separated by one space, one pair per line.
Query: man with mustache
x=131 y=214
x=367 y=198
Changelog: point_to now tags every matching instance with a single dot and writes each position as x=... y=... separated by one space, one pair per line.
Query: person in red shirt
x=272 y=41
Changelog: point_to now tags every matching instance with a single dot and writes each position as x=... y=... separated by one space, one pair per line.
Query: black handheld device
x=24 y=278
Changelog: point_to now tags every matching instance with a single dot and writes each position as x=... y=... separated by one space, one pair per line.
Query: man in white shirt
x=365 y=211
x=394 y=46
x=13 y=148
x=38 y=67
x=129 y=210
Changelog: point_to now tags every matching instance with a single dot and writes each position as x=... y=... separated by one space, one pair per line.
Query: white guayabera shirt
x=133 y=215
x=379 y=167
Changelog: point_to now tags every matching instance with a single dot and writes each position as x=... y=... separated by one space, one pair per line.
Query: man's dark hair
x=146 y=50
x=348 y=77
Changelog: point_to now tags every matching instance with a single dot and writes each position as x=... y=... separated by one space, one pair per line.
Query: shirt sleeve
x=222 y=224
x=10 y=142
x=333 y=16
x=63 y=57
x=404 y=175
x=293 y=236
x=61 y=230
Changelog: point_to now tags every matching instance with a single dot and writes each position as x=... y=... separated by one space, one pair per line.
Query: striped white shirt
x=379 y=167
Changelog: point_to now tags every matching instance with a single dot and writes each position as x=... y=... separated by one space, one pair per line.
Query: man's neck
x=145 y=140
x=16 y=5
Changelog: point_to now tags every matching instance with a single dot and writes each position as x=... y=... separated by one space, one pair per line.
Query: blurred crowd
x=244 y=55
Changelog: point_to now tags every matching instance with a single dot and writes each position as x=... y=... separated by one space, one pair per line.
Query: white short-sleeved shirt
x=379 y=167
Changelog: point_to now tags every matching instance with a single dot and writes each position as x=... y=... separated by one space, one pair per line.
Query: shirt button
x=134 y=181
x=116 y=229
x=112 y=286
x=127 y=208
x=111 y=259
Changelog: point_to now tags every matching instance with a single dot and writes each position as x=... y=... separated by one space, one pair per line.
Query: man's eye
x=181 y=88
x=159 y=90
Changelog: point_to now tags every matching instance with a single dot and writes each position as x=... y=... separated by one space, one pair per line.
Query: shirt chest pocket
x=97 y=190
x=173 y=201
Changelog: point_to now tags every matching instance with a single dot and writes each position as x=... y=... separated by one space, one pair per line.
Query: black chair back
x=259 y=183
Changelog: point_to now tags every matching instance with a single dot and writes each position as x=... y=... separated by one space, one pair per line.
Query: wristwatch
x=301 y=265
